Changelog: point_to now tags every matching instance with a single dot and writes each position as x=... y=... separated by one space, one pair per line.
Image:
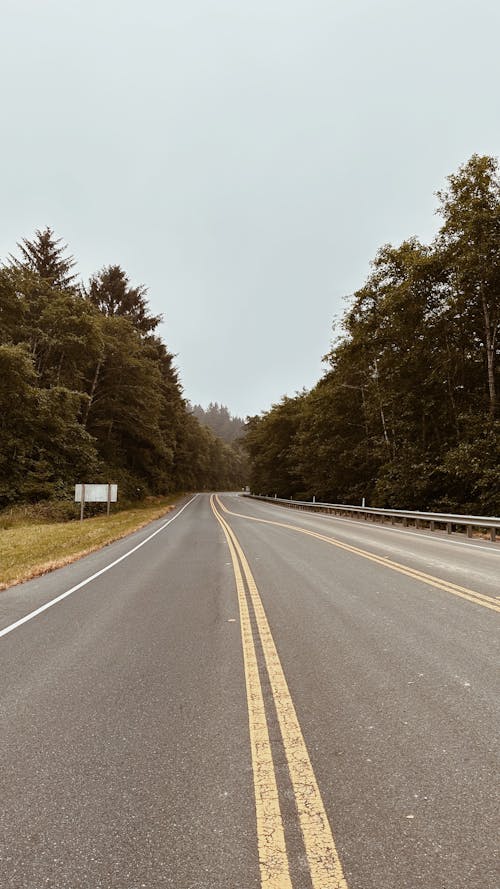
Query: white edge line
x=42 y=608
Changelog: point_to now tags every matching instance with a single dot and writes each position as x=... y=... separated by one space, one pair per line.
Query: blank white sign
x=96 y=493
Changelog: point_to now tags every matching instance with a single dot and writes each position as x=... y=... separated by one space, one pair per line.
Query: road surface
x=242 y=696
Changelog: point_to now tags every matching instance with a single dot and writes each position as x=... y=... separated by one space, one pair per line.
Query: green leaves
x=41 y=438
x=110 y=291
x=44 y=257
x=87 y=391
x=405 y=415
x=470 y=243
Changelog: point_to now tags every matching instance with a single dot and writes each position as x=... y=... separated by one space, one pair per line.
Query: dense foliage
x=88 y=391
x=220 y=421
x=407 y=413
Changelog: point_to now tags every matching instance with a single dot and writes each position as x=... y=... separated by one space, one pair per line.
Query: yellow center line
x=449 y=587
x=273 y=858
x=323 y=860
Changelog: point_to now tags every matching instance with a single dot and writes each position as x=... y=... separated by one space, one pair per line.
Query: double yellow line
x=429 y=579
x=322 y=857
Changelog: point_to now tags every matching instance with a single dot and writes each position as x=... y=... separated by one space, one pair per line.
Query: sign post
x=85 y=493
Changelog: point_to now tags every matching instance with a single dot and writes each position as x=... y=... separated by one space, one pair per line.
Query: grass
x=31 y=545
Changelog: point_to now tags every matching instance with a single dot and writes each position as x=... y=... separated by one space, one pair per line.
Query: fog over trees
x=219 y=420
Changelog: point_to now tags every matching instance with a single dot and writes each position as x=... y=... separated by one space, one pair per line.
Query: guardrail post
x=432 y=525
x=469 y=530
x=493 y=534
x=448 y=527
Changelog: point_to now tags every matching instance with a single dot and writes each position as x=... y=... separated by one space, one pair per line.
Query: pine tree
x=44 y=255
x=111 y=292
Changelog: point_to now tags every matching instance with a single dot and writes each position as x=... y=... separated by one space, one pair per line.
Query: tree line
x=88 y=390
x=218 y=418
x=406 y=414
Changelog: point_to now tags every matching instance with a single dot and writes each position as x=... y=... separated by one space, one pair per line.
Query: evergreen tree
x=110 y=291
x=220 y=421
x=45 y=256
x=470 y=240
x=44 y=449
x=12 y=308
x=87 y=391
x=406 y=414
x=269 y=439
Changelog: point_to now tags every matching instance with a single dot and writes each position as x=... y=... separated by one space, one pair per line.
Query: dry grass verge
x=28 y=550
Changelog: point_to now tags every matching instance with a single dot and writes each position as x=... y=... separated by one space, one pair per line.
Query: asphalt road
x=253 y=697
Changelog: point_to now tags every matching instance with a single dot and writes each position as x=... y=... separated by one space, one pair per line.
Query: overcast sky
x=244 y=159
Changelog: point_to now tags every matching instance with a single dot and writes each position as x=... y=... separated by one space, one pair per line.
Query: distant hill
x=219 y=420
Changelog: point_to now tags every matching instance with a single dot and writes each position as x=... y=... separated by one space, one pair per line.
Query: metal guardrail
x=433 y=519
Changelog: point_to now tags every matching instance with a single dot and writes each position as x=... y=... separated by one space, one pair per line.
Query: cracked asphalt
x=124 y=734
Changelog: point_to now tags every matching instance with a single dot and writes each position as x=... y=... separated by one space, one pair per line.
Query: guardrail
x=433 y=519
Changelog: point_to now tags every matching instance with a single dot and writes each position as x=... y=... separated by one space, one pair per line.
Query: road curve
x=245 y=696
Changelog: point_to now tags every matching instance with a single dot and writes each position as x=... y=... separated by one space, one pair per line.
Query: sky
x=243 y=159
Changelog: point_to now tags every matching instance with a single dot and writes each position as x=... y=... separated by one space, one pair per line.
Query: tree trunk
x=490 y=332
x=59 y=368
x=92 y=393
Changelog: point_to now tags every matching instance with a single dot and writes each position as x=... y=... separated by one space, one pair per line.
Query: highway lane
x=395 y=686
x=473 y=563
x=123 y=724
x=129 y=757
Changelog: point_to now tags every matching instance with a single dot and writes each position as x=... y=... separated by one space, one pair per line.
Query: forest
x=406 y=414
x=218 y=418
x=88 y=390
